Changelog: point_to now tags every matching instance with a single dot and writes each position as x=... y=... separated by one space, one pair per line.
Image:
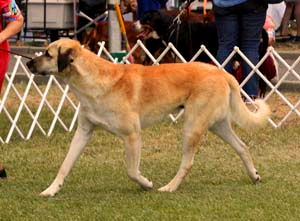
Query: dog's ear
x=64 y=58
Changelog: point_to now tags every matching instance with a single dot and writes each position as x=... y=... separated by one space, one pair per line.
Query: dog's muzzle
x=31 y=66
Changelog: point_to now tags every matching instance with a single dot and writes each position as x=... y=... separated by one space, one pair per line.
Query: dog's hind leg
x=78 y=144
x=193 y=130
x=133 y=147
x=223 y=129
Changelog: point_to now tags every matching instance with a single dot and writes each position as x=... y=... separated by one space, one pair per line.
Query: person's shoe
x=2 y=173
x=247 y=101
x=283 y=38
x=296 y=38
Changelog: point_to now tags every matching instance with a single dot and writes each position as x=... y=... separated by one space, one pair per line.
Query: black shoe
x=2 y=173
x=296 y=38
x=283 y=38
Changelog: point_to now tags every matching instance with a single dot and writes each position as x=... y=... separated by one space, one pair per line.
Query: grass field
x=217 y=188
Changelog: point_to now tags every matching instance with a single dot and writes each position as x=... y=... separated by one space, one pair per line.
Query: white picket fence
x=33 y=103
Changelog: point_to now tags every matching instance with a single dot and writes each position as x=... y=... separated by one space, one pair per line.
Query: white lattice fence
x=27 y=108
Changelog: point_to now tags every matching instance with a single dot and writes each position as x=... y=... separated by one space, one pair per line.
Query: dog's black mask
x=64 y=59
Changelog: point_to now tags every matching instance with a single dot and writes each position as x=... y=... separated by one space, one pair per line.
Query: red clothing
x=10 y=12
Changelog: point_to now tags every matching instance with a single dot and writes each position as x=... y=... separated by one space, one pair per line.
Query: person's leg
x=251 y=25
x=227 y=26
x=286 y=18
x=297 y=17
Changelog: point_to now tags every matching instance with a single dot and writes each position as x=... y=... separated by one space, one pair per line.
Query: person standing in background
x=291 y=6
x=13 y=21
x=239 y=23
x=273 y=21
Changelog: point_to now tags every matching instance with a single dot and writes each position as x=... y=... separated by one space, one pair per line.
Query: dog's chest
x=98 y=115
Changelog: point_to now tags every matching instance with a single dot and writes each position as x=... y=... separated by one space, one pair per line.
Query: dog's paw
x=47 y=193
x=257 y=179
x=50 y=191
x=167 y=188
x=148 y=186
x=53 y=188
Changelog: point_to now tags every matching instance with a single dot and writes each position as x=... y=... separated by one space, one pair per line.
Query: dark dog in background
x=155 y=46
x=100 y=34
x=187 y=36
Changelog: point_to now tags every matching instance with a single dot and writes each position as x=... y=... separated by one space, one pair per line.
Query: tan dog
x=124 y=99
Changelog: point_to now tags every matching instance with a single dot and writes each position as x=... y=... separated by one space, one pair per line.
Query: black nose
x=30 y=65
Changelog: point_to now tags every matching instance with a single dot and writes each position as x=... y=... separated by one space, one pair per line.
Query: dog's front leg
x=133 y=154
x=78 y=144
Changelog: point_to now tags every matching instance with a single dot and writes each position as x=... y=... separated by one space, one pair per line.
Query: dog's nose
x=30 y=65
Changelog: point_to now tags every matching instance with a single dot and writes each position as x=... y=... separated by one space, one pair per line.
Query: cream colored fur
x=124 y=99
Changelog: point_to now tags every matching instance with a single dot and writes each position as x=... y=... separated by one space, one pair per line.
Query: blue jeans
x=243 y=29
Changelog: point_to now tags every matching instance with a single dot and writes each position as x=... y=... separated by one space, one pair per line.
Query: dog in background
x=124 y=99
x=155 y=46
x=100 y=34
x=187 y=36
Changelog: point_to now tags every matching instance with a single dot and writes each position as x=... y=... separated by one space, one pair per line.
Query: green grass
x=217 y=188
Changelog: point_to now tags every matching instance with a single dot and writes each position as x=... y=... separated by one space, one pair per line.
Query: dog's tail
x=240 y=114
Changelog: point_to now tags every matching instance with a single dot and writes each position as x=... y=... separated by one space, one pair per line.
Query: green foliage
x=217 y=187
